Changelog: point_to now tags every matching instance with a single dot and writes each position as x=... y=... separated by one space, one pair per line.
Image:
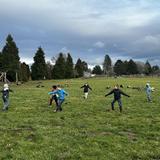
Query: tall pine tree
x=59 y=68
x=107 y=65
x=79 y=68
x=24 y=72
x=132 y=67
x=69 y=67
x=49 y=67
x=119 y=67
x=39 y=66
x=97 y=70
x=10 y=58
x=148 y=68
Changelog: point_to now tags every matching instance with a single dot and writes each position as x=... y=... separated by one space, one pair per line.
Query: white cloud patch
x=150 y=40
x=64 y=50
x=99 y=44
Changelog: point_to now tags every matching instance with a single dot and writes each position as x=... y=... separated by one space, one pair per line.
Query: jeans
x=55 y=99
x=5 y=103
x=59 y=106
x=119 y=103
x=149 y=97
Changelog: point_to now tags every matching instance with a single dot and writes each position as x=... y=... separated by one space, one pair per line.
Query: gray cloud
x=87 y=28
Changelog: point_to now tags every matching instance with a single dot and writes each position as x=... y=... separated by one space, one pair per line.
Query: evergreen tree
x=140 y=67
x=155 y=69
x=125 y=68
x=39 y=66
x=49 y=68
x=84 y=66
x=59 y=68
x=69 y=67
x=119 y=67
x=79 y=68
x=97 y=70
x=107 y=65
x=148 y=68
x=132 y=67
x=10 y=58
x=24 y=72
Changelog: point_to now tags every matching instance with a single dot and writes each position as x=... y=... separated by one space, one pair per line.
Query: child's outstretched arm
x=90 y=88
x=111 y=92
x=66 y=93
x=52 y=92
x=124 y=94
x=10 y=90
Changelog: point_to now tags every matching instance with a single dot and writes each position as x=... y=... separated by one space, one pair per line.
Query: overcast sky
x=88 y=29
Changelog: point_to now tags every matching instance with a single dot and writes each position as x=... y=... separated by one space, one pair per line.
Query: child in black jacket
x=86 y=90
x=117 y=97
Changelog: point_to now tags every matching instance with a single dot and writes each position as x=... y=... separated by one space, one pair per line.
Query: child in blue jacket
x=61 y=93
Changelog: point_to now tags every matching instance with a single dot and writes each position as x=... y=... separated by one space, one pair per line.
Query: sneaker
x=55 y=111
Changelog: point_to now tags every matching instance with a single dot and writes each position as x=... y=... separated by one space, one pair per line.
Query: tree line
x=63 y=66
x=130 y=67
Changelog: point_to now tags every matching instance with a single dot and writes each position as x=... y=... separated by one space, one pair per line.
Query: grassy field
x=86 y=129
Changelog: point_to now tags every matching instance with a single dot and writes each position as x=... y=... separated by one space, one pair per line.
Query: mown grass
x=86 y=129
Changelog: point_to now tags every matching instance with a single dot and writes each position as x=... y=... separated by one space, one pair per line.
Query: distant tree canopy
x=155 y=69
x=69 y=70
x=97 y=70
x=125 y=67
x=24 y=73
x=59 y=68
x=107 y=65
x=10 y=58
x=132 y=67
x=148 y=68
x=80 y=68
x=119 y=67
x=39 y=69
x=63 y=67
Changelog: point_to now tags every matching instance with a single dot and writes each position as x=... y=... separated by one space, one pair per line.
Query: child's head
x=59 y=86
x=6 y=86
x=147 y=85
x=54 y=87
x=116 y=86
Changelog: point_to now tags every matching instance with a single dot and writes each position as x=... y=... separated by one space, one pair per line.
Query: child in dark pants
x=117 y=97
x=86 y=90
x=53 y=97
x=61 y=93
x=5 y=97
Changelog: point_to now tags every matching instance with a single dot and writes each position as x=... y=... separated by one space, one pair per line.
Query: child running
x=53 y=97
x=148 y=92
x=117 y=97
x=86 y=90
x=5 y=97
x=61 y=93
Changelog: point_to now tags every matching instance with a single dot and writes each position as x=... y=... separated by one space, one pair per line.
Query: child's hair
x=6 y=85
x=54 y=87
x=116 y=86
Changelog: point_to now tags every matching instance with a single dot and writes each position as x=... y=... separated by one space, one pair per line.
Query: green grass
x=85 y=130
